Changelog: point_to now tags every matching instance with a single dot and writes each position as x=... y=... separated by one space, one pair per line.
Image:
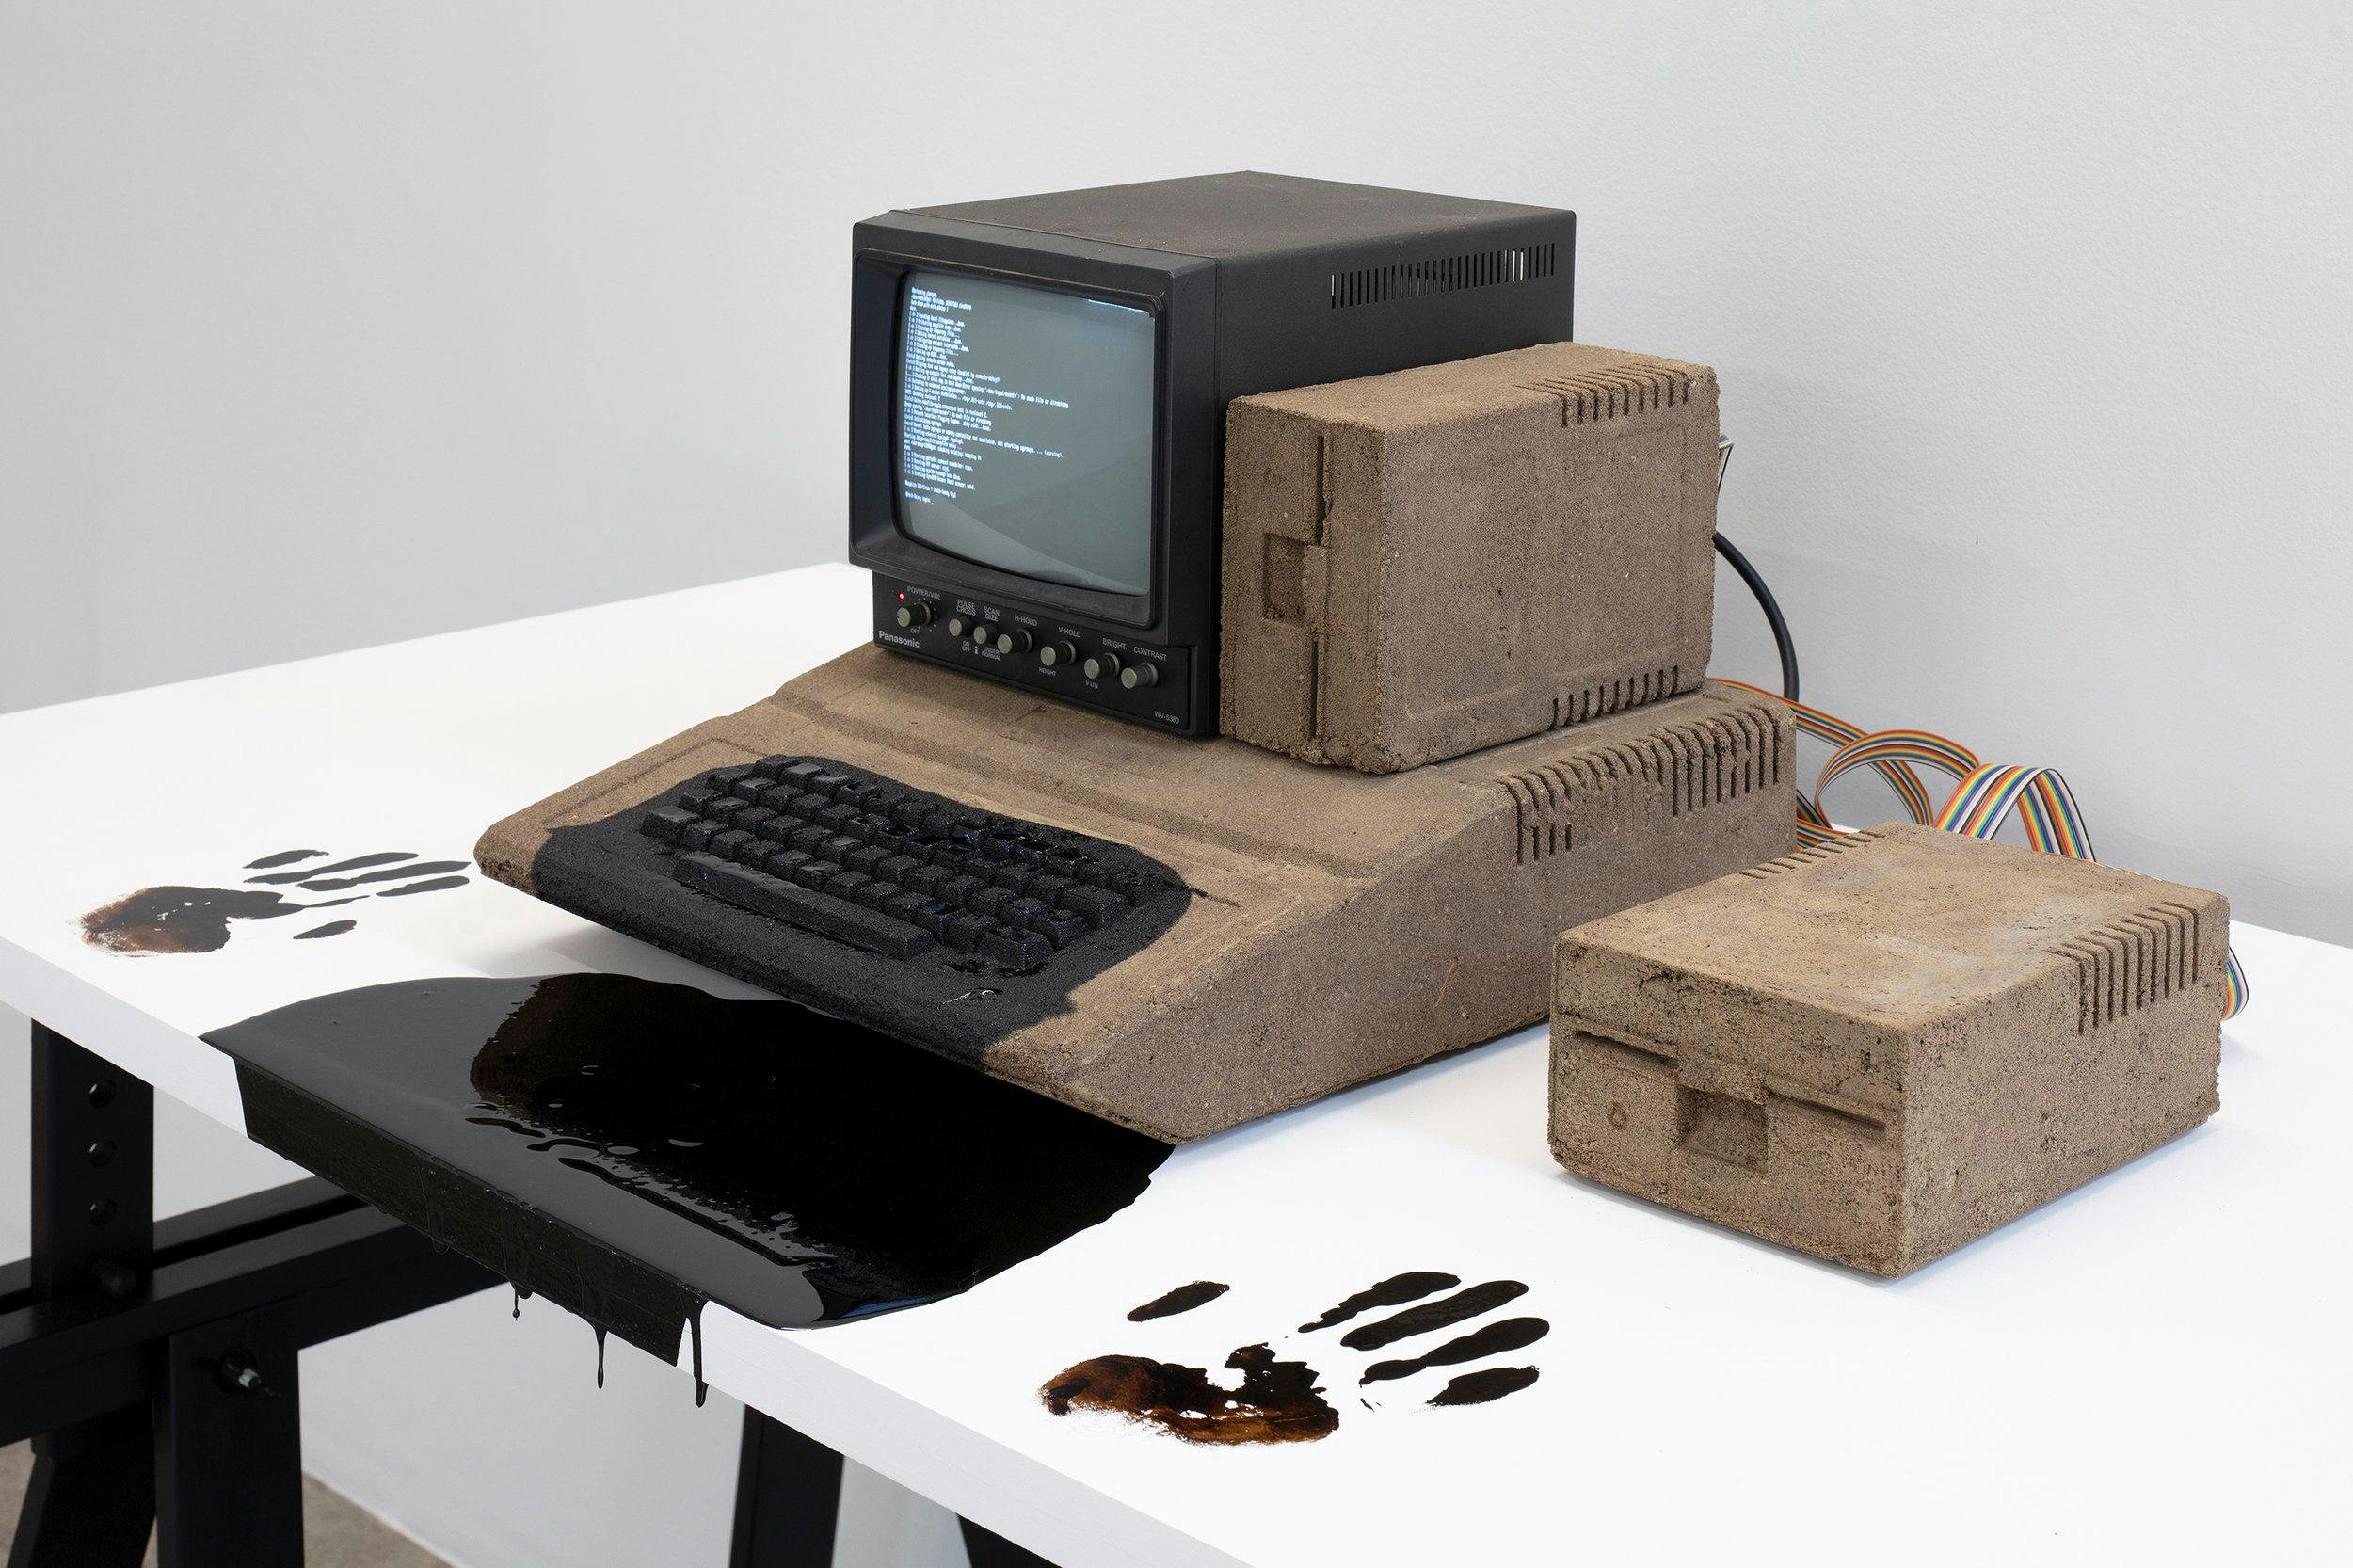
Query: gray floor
x=336 y=1532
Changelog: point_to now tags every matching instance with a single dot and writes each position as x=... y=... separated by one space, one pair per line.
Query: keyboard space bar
x=757 y=893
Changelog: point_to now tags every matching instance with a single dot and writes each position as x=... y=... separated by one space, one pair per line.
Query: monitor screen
x=1025 y=420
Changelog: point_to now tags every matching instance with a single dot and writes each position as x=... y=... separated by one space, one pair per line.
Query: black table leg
x=986 y=1549
x=788 y=1493
x=91 y=1502
x=92 y=1498
x=154 y=1363
x=227 y=1449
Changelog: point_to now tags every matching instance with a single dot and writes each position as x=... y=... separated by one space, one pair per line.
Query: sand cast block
x=1881 y=1049
x=1423 y=563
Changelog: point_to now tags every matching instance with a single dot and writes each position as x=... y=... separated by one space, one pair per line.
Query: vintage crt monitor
x=1039 y=390
x=1100 y=898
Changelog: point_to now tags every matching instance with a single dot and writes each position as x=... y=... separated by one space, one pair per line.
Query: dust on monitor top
x=1225 y=216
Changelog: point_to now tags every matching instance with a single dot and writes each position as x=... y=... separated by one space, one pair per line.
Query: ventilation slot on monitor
x=1479 y=269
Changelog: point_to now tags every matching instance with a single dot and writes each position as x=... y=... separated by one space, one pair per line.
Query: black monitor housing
x=1253 y=282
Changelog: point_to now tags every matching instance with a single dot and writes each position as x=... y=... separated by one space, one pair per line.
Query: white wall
x=326 y=325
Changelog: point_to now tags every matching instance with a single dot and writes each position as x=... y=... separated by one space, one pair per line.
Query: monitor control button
x=915 y=614
x=1013 y=640
x=959 y=626
x=1100 y=666
x=1137 y=676
x=1054 y=655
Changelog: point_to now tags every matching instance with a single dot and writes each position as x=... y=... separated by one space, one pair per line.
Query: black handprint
x=176 y=918
x=1280 y=1401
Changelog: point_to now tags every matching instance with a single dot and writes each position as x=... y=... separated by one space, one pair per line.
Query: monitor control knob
x=915 y=614
x=1137 y=676
x=959 y=626
x=1054 y=655
x=1100 y=666
x=1013 y=640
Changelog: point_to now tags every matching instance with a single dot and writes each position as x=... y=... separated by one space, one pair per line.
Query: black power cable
x=1765 y=600
x=1771 y=607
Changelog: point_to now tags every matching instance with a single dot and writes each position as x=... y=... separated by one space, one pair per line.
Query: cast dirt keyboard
x=1175 y=934
x=847 y=855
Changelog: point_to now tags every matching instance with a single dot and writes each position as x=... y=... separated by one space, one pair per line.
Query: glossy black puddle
x=632 y=1149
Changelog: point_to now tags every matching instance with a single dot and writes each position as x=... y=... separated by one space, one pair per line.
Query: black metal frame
x=156 y=1364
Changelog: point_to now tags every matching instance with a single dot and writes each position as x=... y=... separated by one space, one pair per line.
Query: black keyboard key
x=780 y=900
x=1098 y=906
x=779 y=829
x=749 y=787
x=1015 y=948
x=865 y=859
x=927 y=879
x=1023 y=912
x=810 y=838
x=964 y=932
x=934 y=917
x=784 y=862
x=909 y=814
x=959 y=888
x=698 y=799
x=773 y=767
x=801 y=773
x=987 y=900
x=839 y=814
x=728 y=843
x=846 y=883
x=723 y=779
x=896 y=865
x=807 y=805
x=1013 y=877
x=724 y=808
x=907 y=906
x=876 y=894
x=838 y=846
x=696 y=834
x=827 y=783
x=1059 y=927
x=666 y=824
x=814 y=874
x=1049 y=886
x=751 y=819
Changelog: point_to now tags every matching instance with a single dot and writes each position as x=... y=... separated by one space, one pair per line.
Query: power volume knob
x=1137 y=676
x=1055 y=654
x=1100 y=666
x=1013 y=640
x=915 y=614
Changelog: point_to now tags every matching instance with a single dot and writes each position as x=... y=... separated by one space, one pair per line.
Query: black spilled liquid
x=1183 y=1299
x=1393 y=1291
x=1445 y=1312
x=1480 y=1387
x=632 y=1149
x=1506 y=1334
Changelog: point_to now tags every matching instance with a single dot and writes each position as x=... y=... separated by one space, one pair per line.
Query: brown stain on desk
x=175 y=919
x=1276 y=1401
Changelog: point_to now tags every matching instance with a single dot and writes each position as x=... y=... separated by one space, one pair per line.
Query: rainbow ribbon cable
x=1981 y=802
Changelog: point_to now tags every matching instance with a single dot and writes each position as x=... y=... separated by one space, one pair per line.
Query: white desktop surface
x=2150 y=1370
